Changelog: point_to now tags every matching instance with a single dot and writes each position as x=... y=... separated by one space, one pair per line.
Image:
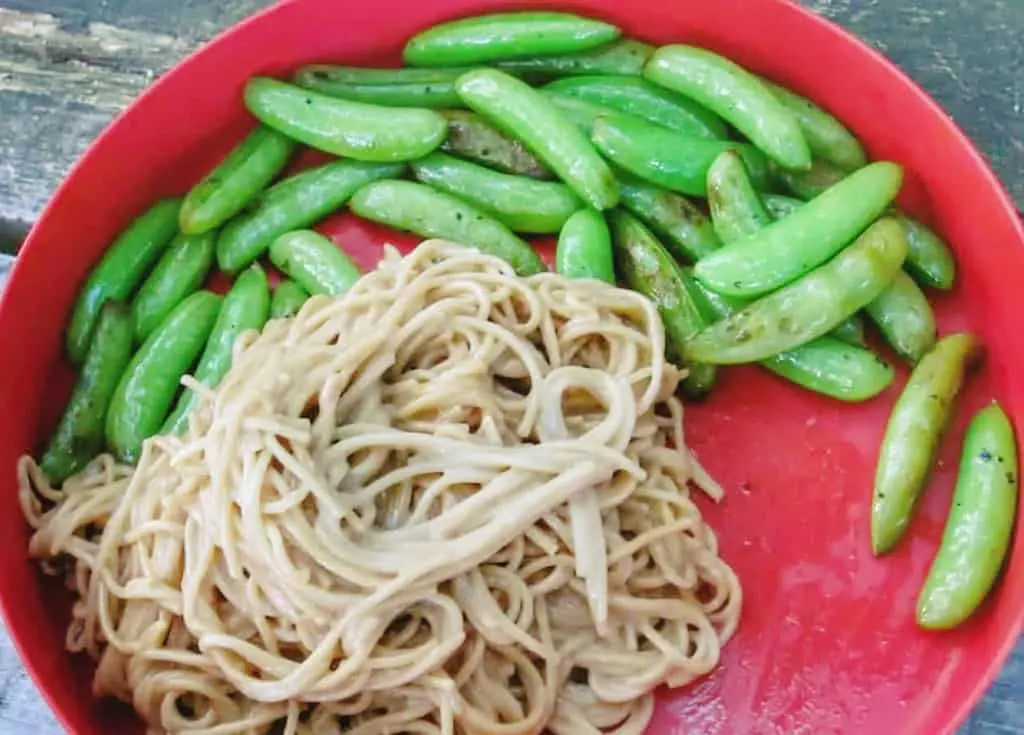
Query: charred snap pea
x=912 y=436
x=530 y=117
x=433 y=88
x=585 y=248
x=498 y=36
x=416 y=208
x=666 y=158
x=180 y=272
x=790 y=247
x=149 y=384
x=79 y=435
x=930 y=261
x=810 y=307
x=638 y=97
x=980 y=524
x=236 y=181
x=287 y=299
x=684 y=229
x=246 y=306
x=736 y=95
x=827 y=137
x=522 y=204
x=315 y=262
x=649 y=269
x=345 y=127
x=122 y=268
x=736 y=208
x=622 y=57
x=292 y=204
x=905 y=317
x=473 y=138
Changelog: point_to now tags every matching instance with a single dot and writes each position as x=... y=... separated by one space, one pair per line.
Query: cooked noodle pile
x=453 y=501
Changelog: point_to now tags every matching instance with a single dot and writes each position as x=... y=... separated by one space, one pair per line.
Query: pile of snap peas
x=750 y=216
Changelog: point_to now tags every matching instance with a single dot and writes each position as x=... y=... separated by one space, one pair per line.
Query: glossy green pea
x=675 y=220
x=522 y=204
x=149 y=384
x=296 y=202
x=736 y=208
x=648 y=268
x=980 y=524
x=736 y=95
x=79 y=435
x=180 y=272
x=912 y=436
x=810 y=307
x=473 y=138
x=790 y=247
x=808 y=184
x=315 y=262
x=779 y=205
x=287 y=299
x=486 y=38
x=666 y=158
x=357 y=130
x=638 y=97
x=236 y=181
x=584 y=248
x=417 y=208
x=905 y=317
x=432 y=88
x=851 y=331
x=528 y=116
x=826 y=136
x=246 y=306
x=930 y=261
x=580 y=112
x=122 y=267
x=623 y=57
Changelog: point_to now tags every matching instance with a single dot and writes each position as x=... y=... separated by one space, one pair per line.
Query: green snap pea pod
x=648 y=268
x=636 y=96
x=417 y=208
x=433 y=88
x=120 y=270
x=912 y=436
x=737 y=96
x=980 y=524
x=779 y=205
x=810 y=307
x=287 y=299
x=236 y=181
x=344 y=127
x=736 y=208
x=790 y=247
x=180 y=272
x=905 y=317
x=473 y=138
x=80 y=433
x=585 y=248
x=666 y=158
x=685 y=230
x=246 y=306
x=149 y=384
x=580 y=112
x=528 y=116
x=827 y=137
x=930 y=261
x=294 y=203
x=624 y=57
x=808 y=184
x=485 y=38
x=851 y=331
x=315 y=262
x=521 y=204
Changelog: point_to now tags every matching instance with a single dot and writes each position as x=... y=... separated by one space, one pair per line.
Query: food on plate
x=584 y=248
x=314 y=261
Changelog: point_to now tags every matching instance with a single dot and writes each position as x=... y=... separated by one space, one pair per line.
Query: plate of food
x=478 y=367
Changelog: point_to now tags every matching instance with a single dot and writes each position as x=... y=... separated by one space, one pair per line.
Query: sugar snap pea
x=291 y=204
x=433 y=88
x=810 y=307
x=790 y=247
x=808 y=184
x=736 y=209
x=905 y=317
x=180 y=272
x=980 y=523
x=485 y=38
x=850 y=331
x=246 y=306
x=315 y=262
x=522 y=204
x=674 y=219
x=287 y=299
x=647 y=267
x=638 y=97
x=585 y=247
x=930 y=261
x=912 y=436
x=473 y=138
x=827 y=137
x=406 y=205
x=624 y=57
x=146 y=390
x=667 y=158
x=236 y=180
x=779 y=205
x=529 y=116
x=120 y=270
x=736 y=95
x=80 y=433
x=357 y=130
x=580 y=112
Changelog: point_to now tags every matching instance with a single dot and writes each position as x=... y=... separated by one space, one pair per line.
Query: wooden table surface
x=67 y=66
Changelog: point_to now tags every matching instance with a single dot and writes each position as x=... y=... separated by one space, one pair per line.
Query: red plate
x=827 y=643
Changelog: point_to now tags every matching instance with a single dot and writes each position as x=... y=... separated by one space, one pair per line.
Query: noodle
x=452 y=501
